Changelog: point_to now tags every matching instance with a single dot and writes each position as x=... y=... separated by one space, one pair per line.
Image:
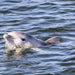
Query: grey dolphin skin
x=22 y=40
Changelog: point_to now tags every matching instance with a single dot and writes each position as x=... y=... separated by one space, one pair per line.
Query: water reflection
x=17 y=55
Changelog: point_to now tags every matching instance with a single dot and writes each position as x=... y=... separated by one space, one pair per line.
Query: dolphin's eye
x=23 y=39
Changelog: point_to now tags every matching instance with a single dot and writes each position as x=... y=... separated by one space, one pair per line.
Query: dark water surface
x=42 y=19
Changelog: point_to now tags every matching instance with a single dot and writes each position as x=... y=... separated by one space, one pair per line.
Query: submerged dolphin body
x=16 y=40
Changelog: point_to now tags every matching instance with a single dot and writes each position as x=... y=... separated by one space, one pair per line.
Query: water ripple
x=42 y=19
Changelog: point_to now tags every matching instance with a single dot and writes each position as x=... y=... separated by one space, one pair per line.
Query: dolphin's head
x=17 y=40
